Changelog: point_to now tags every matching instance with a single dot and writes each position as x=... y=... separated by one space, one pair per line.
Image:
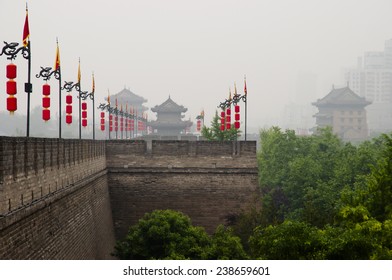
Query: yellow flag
x=57 y=62
x=93 y=90
x=79 y=74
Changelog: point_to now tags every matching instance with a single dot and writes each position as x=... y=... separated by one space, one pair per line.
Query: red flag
x=245 y=90
x=26 y=31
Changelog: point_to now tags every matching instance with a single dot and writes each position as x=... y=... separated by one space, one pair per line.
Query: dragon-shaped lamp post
x=46 y=73
x=11 y=50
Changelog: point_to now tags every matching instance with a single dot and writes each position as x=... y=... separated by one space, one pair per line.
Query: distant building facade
x=372 y=79
x=344 y=111
x=169 y=119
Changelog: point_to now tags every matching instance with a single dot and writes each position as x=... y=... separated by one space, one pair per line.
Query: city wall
x=54 y=199
x=209 y=181
x=70 y=199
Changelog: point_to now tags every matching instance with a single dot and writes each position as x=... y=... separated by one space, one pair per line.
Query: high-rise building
x=372 y=80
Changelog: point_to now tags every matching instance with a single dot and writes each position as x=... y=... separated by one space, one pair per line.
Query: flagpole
x=93 y=97
x=80 y=102
x=59 y=78
x=94 y=118
x=28 y=85
x=28 y=89
x=246 y=107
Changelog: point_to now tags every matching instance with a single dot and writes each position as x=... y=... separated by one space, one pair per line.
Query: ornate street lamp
x=200 y=121
x=11 y=50
x=84 y=96
x=68 y=86
x=124 y=116
x=225 y=105
x=46 y=73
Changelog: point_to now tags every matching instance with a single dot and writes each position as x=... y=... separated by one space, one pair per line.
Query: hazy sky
x=196 y=50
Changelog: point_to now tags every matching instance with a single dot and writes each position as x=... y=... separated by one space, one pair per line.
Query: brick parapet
x=31 y=168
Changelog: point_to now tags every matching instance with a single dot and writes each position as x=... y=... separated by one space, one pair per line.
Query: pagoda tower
x=133 y=100
x=169 y=118
x=344 y=111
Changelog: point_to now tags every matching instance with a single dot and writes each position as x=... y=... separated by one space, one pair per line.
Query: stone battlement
x=31 y=168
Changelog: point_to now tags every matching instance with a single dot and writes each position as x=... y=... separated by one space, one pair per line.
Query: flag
x=93 y=90
x=245 y=90
x=79 y=75
x=26 y=31
x=57 y=62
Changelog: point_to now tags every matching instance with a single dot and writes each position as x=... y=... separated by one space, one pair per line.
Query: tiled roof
x=127 y=96
x=341 y=96
x=169 y=106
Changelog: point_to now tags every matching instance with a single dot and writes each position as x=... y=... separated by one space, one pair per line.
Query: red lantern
x=228 y=111
x=222 y=114
x=237 y=108
x=45 y=102
x=237 y=125
x=12 y=104
x=110 y=122
x=68 y=109
x=11 y=71
x=84 y=114
x=103 y=121
x=84 y=106
x=46 y=89
x=11 y=87
x=228 y=126
x=222 y=128
x=46 y=114
x=84 y=122
x=68 y=119
x=68 y=99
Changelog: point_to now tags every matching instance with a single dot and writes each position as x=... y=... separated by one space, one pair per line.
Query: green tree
x=164 y=234
x=302 y=177
x=290 y=240
x=168 y=234
x=226 y=246
x=214 y=133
